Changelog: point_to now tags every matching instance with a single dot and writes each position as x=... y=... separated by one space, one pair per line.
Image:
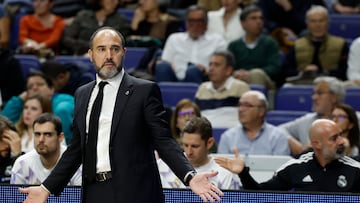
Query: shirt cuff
x=44 y=188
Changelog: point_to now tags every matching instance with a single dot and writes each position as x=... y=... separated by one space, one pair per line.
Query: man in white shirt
x=186 y=55
x=197 y=139
x=34 y=166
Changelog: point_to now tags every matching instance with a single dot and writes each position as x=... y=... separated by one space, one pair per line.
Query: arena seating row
x=28 y=62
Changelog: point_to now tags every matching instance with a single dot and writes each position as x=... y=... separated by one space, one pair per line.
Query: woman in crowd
x=40 y=33
x=345 y=117
x=184 y=111
x=34 y=106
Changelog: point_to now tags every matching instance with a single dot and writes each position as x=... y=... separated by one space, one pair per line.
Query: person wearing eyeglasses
x=326 y=169
x=345 y=117
x=327 y=93
x=253 y=135
x=186 y=55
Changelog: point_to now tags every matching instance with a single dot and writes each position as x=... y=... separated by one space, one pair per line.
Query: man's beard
x=340 y=152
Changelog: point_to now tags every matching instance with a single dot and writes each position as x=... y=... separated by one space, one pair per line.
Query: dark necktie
x=90 y=148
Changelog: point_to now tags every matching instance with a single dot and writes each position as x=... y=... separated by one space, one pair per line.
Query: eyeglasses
x=189 y=113
x=339 y=117
x=247 y=105
x=102 y=50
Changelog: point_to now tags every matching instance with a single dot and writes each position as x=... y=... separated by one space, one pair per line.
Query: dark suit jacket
x=138 y=127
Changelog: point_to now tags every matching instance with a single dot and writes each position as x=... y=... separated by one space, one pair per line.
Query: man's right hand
x=36 y=194
x=235 y=165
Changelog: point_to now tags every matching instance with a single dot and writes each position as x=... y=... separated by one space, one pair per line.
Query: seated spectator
x=77 y=34
x=11 y=78
x=353 y=63
x=222 y=89
x=257 y=59
x=34 y=106
x=38 y=83
x=10 y=148
x=34 y=167
x=225 y=21
x=254 y=135
x=4 y=28
x=186 y=55
x=345 y=6
x=152 y=24
x=197 y=140
x=40 y=33
x=328 y=92
x=318 y=52
x=326 y=169
x=184 y=111
x=345 y=117
x=67 y=77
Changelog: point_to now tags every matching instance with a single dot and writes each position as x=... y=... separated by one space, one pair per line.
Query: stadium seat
x=259 y=88
x=294 y=98
x=133 y=56
x=347 y=26
x=217 y=132
x=78 y=60
x=352 y=97
x=28 y=62
x=173 y=92
x=277 y=117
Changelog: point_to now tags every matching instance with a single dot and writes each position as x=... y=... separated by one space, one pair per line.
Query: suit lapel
x=122 y=97
x=84 y=103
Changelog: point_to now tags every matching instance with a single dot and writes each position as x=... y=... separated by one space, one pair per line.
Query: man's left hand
x=201 y=185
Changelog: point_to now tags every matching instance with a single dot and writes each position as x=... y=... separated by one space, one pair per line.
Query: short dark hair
x=201 y=126
x=42 y=75
x=106 y=28
x=248 y=10
x=49 y=117
x=52 y=68
x=229 y=57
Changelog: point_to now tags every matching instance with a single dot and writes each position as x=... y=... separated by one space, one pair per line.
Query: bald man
x=325 y=169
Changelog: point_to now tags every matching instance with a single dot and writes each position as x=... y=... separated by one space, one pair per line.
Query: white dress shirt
x=106 y=115
x=180 y=49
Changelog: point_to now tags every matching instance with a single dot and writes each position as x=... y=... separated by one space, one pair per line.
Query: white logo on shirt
x=307 y=179
x=342 y=182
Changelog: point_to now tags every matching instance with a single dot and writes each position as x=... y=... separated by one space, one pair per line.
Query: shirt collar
x=115 y=81
x=226 y=86
x=203 y=36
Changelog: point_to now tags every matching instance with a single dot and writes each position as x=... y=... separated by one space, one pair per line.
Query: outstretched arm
x=235 y=165
x=36 y=194
x=201 y=186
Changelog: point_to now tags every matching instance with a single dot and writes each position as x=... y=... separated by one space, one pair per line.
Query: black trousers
x=99 y=192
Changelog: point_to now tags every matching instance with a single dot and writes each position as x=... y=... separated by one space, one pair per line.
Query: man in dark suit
x=131 y=125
